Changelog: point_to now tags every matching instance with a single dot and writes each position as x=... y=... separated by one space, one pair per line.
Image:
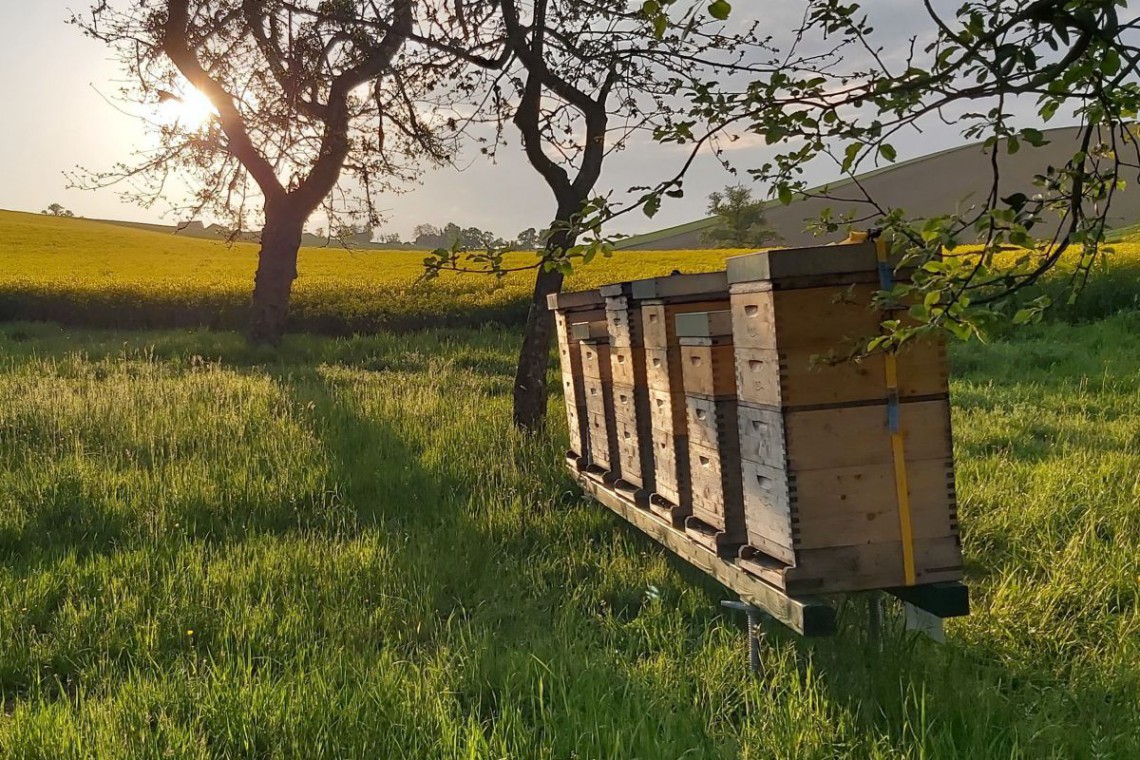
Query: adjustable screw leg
x=875 y=619
x=755 y=632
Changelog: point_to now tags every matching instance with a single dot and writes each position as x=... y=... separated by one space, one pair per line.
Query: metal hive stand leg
x=755 y=632
x=875 y=619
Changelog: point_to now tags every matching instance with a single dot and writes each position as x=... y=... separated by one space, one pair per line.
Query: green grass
x=343 y=550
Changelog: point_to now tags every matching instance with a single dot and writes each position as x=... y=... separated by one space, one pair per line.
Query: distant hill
x=928 y=186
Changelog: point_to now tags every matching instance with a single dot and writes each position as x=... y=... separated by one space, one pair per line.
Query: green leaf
x=785 y=194
x=652 y=205
x=1034 y=137
x=1023 y=315
x=1110 y=63
x=887 y=151
x=719 y=9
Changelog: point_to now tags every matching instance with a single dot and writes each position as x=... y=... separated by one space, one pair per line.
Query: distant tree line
x=57 y=209
x=451 y=235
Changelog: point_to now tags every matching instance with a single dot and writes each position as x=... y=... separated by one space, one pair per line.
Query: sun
x=190 y=110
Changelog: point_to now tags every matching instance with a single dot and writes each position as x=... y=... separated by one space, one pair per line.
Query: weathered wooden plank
x=659 y=319
x=827 y=260
x=597 y=329
x=681 y=286
x=860 y=435
x=707 y=368
x=806 y=615
x=704 y=324
x=872 y=566
x=576 y=301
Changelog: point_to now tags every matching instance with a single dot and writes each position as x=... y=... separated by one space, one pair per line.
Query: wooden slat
x=596 y=361
x=806 y=615
x=578 y=301
x=708 y=370
x=859 y=435
x=825 y=320
x=792 y=263
x=712 y=423
x=671 y=468
x=596 y=330
x=844 y=505
x=627 y=365
x=704 y=324
x=681 y=286
x=871 y=566
x=659 y=320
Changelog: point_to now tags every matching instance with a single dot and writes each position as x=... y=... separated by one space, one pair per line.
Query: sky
x=55 y=85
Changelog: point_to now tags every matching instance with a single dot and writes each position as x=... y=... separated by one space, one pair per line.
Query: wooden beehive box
x=633 y=428
x=717 y=519
x=585 y=306
x=848 y=481
x=659 y=301
x=601 y=424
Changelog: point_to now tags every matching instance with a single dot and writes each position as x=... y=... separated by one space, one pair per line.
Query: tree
x=428 y=236
x=1001 y=71
x=740 y=220
x=587 y=76
x=452 y=233
x=527 y=240
x=57 y=209
x=307 y=97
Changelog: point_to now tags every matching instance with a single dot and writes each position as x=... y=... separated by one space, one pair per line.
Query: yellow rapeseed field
x=100 y=274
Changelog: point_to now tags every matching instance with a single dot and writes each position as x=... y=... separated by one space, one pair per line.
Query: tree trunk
x=276 y=270
x=534 y=356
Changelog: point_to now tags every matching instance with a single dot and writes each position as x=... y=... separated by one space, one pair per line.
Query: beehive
x=633 y=428
x=848 y=479
x=717 y=519
x=660 y=300
x=568 y=308
x=597 y=377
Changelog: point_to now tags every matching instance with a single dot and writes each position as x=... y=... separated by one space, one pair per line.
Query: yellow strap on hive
x=898 y=452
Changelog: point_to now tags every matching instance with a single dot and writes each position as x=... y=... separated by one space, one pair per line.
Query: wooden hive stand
x=847 y=464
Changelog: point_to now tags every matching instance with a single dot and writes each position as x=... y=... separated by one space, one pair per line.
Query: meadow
x=342 y=549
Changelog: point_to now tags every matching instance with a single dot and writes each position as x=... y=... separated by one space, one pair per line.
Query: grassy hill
x=923 y=187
